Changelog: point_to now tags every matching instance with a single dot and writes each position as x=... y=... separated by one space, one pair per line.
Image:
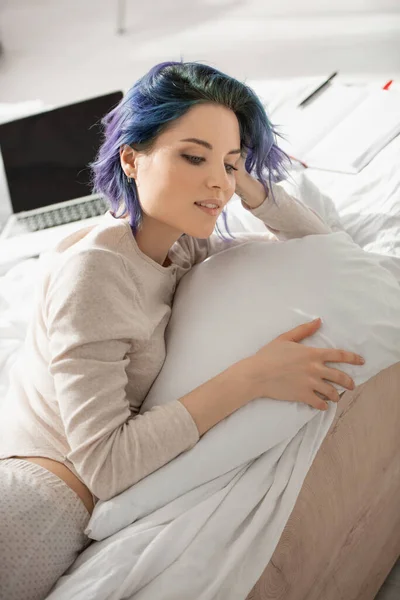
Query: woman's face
x=177 y=173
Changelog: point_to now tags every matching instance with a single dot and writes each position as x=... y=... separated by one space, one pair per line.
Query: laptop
x=45 y=162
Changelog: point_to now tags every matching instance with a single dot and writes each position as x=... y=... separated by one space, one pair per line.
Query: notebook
x=45 y=159
x=342 y=129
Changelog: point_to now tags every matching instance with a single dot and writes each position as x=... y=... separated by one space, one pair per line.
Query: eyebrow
x=208 y=145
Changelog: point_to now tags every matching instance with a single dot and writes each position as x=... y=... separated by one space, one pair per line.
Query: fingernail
x=362 y=360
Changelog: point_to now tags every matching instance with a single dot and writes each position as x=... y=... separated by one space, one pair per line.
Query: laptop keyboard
x=59 y=216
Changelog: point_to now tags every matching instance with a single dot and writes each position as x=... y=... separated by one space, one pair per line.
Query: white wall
x=303 y=7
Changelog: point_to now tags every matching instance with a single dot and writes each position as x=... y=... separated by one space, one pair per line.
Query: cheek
x=172 y=170
x=182 y=180
x=159 y=178
x=168 y=185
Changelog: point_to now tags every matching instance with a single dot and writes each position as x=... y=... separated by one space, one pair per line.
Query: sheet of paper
x=351 y=145
x=305 y=127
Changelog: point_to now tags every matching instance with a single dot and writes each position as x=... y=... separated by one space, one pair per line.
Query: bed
x=343 y=535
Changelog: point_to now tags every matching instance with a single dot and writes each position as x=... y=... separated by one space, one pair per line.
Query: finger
x=317 y=401
x=333 y=355
x=328 y=391
x=337 y=376
x=301 y=331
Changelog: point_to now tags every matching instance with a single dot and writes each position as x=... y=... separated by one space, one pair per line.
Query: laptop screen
x=46 y=155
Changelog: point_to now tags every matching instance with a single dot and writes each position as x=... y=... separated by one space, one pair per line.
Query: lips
x=210 y=201
x=210 y=211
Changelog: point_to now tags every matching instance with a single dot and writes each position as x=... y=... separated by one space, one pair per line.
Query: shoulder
x=96 y=250
x=90 y=271
x=108 y=234
x=89 y=291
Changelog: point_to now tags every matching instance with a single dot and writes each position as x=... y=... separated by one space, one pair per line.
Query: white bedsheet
x=126 y=564
x=212 y=542
x=368 y=203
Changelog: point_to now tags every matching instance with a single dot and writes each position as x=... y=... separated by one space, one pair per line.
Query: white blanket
x=212 y=542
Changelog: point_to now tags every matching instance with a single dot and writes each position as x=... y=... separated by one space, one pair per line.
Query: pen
x=325 y=83
x=298 y=160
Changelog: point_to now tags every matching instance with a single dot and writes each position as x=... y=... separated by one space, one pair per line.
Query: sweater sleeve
x=288 y=217
x=90 y=319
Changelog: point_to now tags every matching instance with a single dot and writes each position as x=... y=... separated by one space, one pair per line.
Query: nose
x=217 y=177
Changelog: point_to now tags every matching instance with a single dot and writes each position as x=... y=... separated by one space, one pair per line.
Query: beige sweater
x=95 y=345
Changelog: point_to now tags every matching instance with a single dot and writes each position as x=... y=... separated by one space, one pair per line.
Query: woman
x=182 y=141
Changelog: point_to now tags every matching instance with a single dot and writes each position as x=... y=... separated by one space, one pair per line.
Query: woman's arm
x=287 y=217
x=92 y=324
x=91 y=321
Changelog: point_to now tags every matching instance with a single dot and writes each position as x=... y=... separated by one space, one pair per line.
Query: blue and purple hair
x=164 y=94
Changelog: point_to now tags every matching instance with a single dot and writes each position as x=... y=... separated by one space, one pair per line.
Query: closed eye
x=197 y=160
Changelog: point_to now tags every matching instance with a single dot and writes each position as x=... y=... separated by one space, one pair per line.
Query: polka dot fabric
x=41 y=529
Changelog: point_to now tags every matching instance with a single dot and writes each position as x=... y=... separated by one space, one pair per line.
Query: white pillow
x=228 y=307
x=301 y=187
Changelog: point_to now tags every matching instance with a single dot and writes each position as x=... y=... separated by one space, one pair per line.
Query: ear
x=128 y=158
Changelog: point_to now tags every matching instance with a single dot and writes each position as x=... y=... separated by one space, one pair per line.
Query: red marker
x=388 y=84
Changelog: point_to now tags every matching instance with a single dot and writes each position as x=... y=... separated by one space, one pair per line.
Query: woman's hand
x=241 y=172
x=248 y=188
x=287 y=370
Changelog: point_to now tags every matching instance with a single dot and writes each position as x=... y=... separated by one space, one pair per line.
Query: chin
x=199 y=227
